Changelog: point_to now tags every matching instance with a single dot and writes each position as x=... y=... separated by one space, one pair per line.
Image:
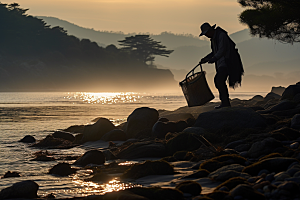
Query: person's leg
x=220 y=83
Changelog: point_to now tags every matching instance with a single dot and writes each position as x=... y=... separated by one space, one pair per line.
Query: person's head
x=207 y=30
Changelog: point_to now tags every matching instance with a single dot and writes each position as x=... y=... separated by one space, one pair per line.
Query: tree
x=144 y=48
x=275 y=19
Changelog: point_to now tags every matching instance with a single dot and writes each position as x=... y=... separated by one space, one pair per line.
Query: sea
x=41 y=113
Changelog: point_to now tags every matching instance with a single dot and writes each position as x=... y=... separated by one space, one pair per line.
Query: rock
x=235 y=117
x=175 y=117
x=295 y=123
x=200 y=131
x=292 y=171
x=62 y=169
x=198 y=174
x=75 y=129
x=246 y=191
x=183 y=142
x=100 y=176
x=78 y=138
x=243 y=147
x=290 y=92
x=156 y=193
x=191 y=187
x=290 y=186
x=283 y=105
x=148 y=168
x=109 y=155
x=270 y=164
x=143 y=150
x=160 y=129
x=63 y=135
x=28 y=139
x=232 y=183
x=141 y=120
x=52 y=142
x=281 y=176
x=11 y=174
x=271 y=95
x=297 y=98
x=234 y=144
x=25 y=189
x=95 y=131
x=122 y=194
x=114 y=135
x=290 y=133
x=91 y=157
x=278 y=90
x=227 y=172
x=263 y=147
x=271 y=119
x=257 y=98
x=271 y=155
x=294 y=145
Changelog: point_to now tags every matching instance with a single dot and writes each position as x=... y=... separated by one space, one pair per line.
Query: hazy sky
x=153 y=16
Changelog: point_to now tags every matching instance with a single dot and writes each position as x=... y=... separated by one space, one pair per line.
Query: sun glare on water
x=104 y=98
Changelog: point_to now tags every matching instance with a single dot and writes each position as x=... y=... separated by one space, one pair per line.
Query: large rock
x=63 y=135
x=227 y=172
x=91 y=157
x=28 y=139
x=290 y=133
x=247 y=192
x=271 y=164
x=263 y=147
x=160 y=129
x=62 y=169
x=54 y=143
x=174 y=117
x=271 y=95
x=278 y=90
x=283 y=105
x=235 y=117
x=95 y=131
x=290 y=92
x=191 y=187
x=114 y=135
x=24 y=189
x=141 y=120
x=143 y=150
x=295 y=123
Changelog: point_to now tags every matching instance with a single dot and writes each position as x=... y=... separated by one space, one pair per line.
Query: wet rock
x=290 y=133
x=91 y=157
x=75 y=129
x=62 y=169
x=246 y=191
x=281 y=176
x=290 y=186
x=160 y=129
x=52 y=142
x=141 y=120
x=109 y=155
x=227 y=172
x=24 y=189
x=78 y=138
x=292 y=171
x=143 y=150
x=297 y=98
x=148 y=168
x=270 y=164
x=191 y=187
x=271 y=119
x=294 y=145
x=295 y=123
x=290 y=92
x=10 y=174
x=100 y=177
x=123 y=194
x=175 y=117
x=28 y=139
x=43 y=156
x=63 y=135
x=270 y=177
x=183 y=142
x=95 y=131
x=232 y=183
x=243 y=147
x=198 y=174
x=234 y=144
x=157 y=193
x=278 y=90
x=183 y=155
x=235 y=117
x=114 y=135
x=265 y=146
x=271 y=155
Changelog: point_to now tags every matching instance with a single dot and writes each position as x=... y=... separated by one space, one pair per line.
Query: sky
x=140 y=16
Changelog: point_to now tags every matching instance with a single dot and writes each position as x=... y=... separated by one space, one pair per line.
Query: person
x=227 y=61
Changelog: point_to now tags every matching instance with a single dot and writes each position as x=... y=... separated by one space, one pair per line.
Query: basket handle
x=193 y=70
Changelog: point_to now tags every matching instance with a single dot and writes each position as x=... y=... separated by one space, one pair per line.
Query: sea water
x=39 y=114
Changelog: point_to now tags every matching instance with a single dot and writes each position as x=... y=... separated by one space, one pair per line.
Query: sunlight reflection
x=104 y=98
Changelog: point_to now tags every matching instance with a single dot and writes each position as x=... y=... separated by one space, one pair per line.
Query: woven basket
x=196 y=89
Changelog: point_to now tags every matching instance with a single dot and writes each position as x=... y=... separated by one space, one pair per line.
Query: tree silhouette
x=276 y=19
x=144 y=48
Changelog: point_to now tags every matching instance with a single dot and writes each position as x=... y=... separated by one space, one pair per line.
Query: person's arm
x=206 y=58
x=223 y=43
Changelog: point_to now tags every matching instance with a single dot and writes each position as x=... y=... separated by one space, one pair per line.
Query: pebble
x=297 y=174
x=294 y=145
x=244 y=154
x=293 y=171
x=270 y=177
x=224 y=188
x=289 y=186
x=294 y=163
x=264 y=171
x=297 y=179
x=281 y=176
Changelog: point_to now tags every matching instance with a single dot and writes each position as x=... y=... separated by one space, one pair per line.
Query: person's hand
x=212 y=60
x=203 y=60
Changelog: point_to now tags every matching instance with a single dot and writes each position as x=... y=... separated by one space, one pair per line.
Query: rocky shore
x=248 y=151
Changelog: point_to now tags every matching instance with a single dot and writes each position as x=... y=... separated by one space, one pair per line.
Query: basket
x=196 y=89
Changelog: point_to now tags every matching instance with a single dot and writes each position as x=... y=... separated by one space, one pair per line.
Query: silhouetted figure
x=226 y=58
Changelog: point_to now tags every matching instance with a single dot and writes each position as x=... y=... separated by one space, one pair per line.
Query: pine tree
x=275 y=19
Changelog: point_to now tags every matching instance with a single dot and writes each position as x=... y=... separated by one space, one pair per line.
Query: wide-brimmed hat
x=206 y=27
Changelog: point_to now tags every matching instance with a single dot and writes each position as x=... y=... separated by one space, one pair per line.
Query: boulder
x=229 y=171
x=75 y=129
x=198 y=174
x=160 y=129
x=263 y=147
x=283 y=105
x=290 y=92
x=147 y=168
x=271 y=164
x=290 y=133
x=183 y=142
x=278 y=90
x=232 y=183
x=25 y=189
x=297 y=98
x=95 y=131
x=246 y=191
x=63 y=135
x=114 y=135
x=271 y=95
x=295 y=123
x=28 y=139
x=11 y=174
x=91 y=157
x=190 y=187
x=174 y=117
x=235 y=117
x=143 y=150
x=62 y=169
x=141 y=120
x=257 y=98
x=156 y=193
x=54 y=143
